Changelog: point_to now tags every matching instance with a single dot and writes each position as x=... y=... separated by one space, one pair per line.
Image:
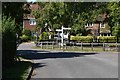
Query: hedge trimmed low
x=90 y=38
x=82 y=38
x=107 y=39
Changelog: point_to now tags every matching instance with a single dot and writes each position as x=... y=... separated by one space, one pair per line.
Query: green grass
x=76 y=48
x=18 y=71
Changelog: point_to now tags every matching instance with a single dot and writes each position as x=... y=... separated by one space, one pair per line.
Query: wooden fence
x=82 y=46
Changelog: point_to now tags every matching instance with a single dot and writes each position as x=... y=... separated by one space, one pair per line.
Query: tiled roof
x=102 y=17
x=31 y=6
x=28 y=16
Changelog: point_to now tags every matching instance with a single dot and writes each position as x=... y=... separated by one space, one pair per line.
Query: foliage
x=76 y=14
x=25 y=38
x=43 y=36
x=116 y=31
x=69 y=14
x=15 y=10
x=8 y=39
x=27 y=32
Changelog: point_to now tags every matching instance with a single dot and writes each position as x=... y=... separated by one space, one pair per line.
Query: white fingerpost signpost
x=62 y=30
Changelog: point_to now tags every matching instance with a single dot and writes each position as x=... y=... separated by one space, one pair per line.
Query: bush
x=25 y=38
x=43 y=36
x=8 y=40
x=27 y=32
x=82 y=38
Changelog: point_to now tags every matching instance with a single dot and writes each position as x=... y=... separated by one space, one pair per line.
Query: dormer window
x=88 y=24
x=102 y=25
x=32 y=22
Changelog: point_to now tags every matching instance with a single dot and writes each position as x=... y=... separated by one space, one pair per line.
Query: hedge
x=106 y=39
x=90 y=38
x=82 y=38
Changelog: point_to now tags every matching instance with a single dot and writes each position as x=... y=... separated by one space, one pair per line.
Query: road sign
x=58 y=30
x=66 y=28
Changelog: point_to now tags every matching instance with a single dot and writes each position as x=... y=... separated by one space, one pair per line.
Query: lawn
x=17 y=71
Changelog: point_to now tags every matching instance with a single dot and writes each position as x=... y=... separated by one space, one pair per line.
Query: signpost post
x=62 y=39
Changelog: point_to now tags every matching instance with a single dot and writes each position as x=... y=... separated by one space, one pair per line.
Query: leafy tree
x=114 y=19
x=75 y=14
x=63 y=13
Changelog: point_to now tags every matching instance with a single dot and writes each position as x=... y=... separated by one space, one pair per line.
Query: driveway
x=52 y=64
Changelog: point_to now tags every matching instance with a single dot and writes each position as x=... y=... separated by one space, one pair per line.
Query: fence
x=75 y=46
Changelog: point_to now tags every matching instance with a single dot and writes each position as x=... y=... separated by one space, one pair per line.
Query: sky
x=31 y=0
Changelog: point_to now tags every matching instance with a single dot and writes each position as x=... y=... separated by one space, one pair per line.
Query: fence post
x=47 y=45
x=116 y=46
x=41 y=45
x=92 y=46
x=52 y=45
x=81 y=46
x=65 y=45
x=103 y=46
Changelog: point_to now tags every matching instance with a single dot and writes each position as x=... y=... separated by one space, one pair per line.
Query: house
x=100 y=27
x=29 y=22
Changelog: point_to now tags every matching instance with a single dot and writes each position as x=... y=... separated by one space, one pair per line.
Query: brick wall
x=27 y=26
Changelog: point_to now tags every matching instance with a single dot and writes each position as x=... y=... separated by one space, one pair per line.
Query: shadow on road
x=36 y=54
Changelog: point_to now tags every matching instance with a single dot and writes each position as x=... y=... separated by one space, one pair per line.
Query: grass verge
x=17 y=71
x=75 y=48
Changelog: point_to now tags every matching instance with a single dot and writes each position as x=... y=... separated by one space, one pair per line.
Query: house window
x=88 y=24
x=32 y=22
x=102 y=25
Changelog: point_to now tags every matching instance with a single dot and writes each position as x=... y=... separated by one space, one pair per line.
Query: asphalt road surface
x=52 y=64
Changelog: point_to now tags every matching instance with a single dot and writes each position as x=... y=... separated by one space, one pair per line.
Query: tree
x=114 y=19
x=75 y=14
x=63 y=13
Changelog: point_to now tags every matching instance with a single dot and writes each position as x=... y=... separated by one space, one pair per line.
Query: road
x=52 y=64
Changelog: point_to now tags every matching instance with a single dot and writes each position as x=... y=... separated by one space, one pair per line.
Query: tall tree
x=114 y=19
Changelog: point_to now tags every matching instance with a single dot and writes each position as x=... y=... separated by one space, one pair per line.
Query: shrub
x=82 y=38
x=43 y=36
x=27 y=32
x=8 y=40
x=25 y=38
